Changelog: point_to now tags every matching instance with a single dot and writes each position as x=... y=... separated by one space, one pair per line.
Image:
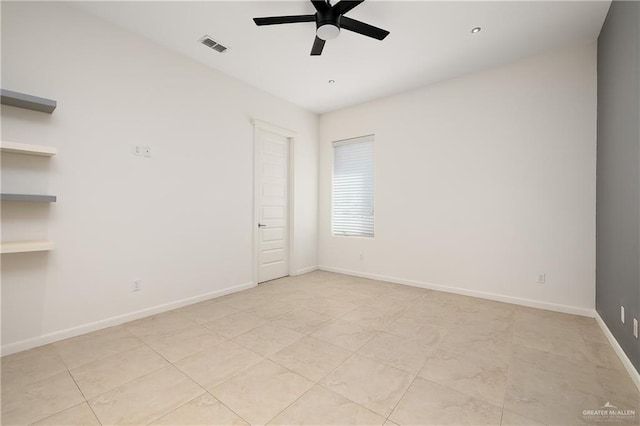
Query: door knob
x=260 y=225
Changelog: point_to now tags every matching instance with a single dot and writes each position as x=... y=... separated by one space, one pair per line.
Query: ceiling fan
x=329 y=19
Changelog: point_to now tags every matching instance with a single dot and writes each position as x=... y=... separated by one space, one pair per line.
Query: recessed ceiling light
x=476 y=30
x=331 y=81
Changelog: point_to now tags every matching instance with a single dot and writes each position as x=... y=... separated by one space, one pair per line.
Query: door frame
x=290 y=135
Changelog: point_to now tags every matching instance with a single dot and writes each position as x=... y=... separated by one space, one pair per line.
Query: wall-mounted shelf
x=25 y=246
x=22 y=100
x=35 y=198
x=27 y=149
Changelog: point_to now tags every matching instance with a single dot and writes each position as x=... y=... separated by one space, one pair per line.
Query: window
x=352 y=213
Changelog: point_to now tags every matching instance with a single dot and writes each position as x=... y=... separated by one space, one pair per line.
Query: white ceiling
x=429 y=41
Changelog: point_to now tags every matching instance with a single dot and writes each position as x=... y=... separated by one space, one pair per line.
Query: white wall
x=481 y=183
x=180 y=221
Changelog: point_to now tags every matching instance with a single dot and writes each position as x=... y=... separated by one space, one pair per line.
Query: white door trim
x=290 y=135
x=273 y=128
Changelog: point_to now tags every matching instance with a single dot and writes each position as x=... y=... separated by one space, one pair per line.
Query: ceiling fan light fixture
x=328 y=31
x=329 y=20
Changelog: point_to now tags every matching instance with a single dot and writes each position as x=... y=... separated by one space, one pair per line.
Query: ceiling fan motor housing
x=328 y=24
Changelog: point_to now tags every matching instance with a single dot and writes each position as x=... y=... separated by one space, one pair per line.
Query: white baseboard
x=635 y=375
x=574 y=310
x=306 y=270
x=110 y=322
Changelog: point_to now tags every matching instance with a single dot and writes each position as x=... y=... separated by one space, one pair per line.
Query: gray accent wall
x=618 y=174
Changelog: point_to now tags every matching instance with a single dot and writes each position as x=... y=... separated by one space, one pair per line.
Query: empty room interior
x=320 y=212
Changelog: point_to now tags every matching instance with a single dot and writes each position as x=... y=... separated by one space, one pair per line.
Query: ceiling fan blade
x=320 y=5
x=274 y=20
x=362 y=28
x=346 y=5
x=318 y=45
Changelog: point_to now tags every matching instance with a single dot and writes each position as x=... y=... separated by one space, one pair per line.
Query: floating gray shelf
x=28 y=197
x=22 y=100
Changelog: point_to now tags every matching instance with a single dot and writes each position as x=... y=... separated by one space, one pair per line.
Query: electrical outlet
x=137 y=285
x=136 y=150
x=542 y=278
x=635 y=328
x=622 y=314
x=146 y=151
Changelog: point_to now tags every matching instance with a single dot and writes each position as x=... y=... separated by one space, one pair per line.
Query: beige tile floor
x=325 y=349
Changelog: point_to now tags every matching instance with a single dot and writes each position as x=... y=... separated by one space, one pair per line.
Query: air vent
x=211 y=43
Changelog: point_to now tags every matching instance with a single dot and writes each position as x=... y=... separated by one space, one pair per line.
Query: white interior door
x=272 y=181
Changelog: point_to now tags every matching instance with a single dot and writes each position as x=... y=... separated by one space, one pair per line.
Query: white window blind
x=352 y=213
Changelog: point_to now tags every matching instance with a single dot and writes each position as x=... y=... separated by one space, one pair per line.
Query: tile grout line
x=506 y=385
x=315 y=383
x=285 y=408
x=229 y=408
x=130 y=381
x=265 y=358
x=296 y=373
x=86 y=401
x=354 y=353
x=70 y=374
x=406 y=390
x=177 y=408
x=401 y=398
x=204 y=390
x=123 y=384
